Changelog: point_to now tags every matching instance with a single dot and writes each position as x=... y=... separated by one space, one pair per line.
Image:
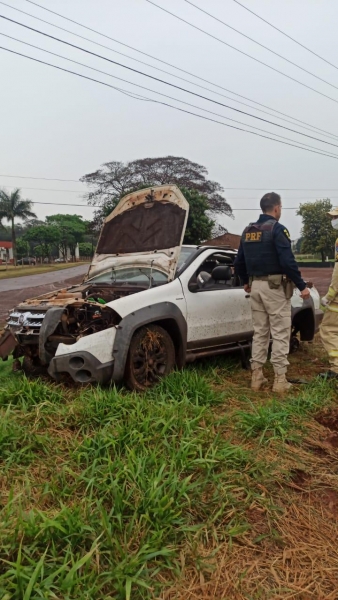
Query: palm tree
x=13 y=207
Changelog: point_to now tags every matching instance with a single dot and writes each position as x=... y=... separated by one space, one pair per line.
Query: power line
x=62 y=204
x=258 y=208
x=47 y=189
x=285 y=189
x=87 y=206
x=283 y=33
x=163 y=62
x=321 y=153
x=228 y=198
x=225 y=188
x=165 y=82
x=153 y=91
x=259 y=44
x=288 y=198
x=45 y=178
x=240 y=51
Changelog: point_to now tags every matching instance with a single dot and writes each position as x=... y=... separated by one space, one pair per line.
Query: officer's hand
x=305 y=294
x=324 y=301
x=247 y=288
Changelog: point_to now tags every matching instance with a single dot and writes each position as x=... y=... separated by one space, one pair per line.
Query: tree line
x=57 y=235
x=115 y=179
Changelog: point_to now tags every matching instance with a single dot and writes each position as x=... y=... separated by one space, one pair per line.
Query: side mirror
x=193 y=286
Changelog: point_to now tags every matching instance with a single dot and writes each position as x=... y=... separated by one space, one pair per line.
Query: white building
x=6 y=252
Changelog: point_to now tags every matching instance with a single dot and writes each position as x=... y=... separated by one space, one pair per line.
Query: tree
x=85 y=249
x=317 y=232
x=22 y=248
x=45 y=237
x=13 y=207
x=115 y=179
x=71 y=230
x=297 y=245
x=199 y=226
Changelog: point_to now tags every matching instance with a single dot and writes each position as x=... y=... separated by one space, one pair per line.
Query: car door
x=217 y=314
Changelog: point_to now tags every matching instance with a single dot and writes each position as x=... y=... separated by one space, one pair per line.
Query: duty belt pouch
x=288 y=286
x=274 y=281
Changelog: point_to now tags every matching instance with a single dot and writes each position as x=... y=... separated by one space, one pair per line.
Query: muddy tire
x=33 y=368
x=151 y=356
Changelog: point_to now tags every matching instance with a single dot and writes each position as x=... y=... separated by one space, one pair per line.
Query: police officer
x=266 y=265
x=329 y=327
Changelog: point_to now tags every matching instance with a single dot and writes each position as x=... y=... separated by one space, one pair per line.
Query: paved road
x=320 y=277
x=20 y=283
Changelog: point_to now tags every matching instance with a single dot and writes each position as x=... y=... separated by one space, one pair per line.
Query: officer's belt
x=264 y=277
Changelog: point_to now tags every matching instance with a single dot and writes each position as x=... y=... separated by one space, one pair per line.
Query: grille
x=27 y=321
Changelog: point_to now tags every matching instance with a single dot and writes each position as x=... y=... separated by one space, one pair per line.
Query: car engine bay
x=72 y=313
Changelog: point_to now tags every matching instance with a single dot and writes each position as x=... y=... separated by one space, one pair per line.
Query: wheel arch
x=304 y=322
x=165 y=314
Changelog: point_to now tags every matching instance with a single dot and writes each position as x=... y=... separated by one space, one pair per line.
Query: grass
x=23 y=270
x=192 y=490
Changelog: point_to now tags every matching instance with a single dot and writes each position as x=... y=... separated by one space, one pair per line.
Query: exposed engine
x=36 y=327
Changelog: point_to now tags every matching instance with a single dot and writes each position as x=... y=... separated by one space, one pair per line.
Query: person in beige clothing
x=267 y=267
x=329 y=327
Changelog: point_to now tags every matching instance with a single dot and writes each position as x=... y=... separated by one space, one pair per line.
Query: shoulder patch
x=286 y=232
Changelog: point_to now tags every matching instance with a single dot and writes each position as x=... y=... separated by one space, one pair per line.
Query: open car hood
x=147 y=227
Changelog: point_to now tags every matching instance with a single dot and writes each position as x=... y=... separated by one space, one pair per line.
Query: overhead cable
x=259 y=43
x=165 y=82
x=241 y=51
x=170 y=105
x=155 y=92
x=45 y=178
x=283 y=33
x=225 y=188
x=166 y=63
x=93 y=207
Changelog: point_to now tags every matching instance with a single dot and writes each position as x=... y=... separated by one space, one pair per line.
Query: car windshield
x=186 y=253
x=142 y=276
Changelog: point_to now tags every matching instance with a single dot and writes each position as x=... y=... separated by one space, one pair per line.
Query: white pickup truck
x=147 y=304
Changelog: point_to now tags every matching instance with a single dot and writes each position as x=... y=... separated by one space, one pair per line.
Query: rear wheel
x=151 y=356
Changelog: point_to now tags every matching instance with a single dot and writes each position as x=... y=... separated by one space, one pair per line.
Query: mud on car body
x=147 y=303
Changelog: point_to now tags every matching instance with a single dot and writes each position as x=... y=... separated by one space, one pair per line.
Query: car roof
x=208 y=246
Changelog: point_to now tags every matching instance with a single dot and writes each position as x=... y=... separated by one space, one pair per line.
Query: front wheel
x=32 y=367
x=151 y=356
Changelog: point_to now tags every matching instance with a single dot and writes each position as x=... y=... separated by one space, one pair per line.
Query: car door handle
x=247 y=295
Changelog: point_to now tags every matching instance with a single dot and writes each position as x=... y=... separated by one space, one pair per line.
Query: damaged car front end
x=72 y=331
x=37 y=327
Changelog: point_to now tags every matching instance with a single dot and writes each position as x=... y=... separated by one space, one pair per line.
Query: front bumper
x=82 y=366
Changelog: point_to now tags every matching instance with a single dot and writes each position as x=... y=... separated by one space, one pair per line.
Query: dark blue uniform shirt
x=281 y=239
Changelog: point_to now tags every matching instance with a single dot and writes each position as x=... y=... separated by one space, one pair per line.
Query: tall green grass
x=104 y=491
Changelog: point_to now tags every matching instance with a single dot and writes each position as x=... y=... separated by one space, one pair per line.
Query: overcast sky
x=56 y=125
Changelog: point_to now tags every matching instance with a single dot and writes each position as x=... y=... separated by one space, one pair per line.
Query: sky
x=60 y=126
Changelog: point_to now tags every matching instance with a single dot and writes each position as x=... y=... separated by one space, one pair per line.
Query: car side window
x=215 y=273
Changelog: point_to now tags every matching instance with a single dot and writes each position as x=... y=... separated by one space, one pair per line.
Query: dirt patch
x=329 y=418
x=332 y=440
x=300 y=479
x=325 y=501
x=329 y=501
x=258 y=520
